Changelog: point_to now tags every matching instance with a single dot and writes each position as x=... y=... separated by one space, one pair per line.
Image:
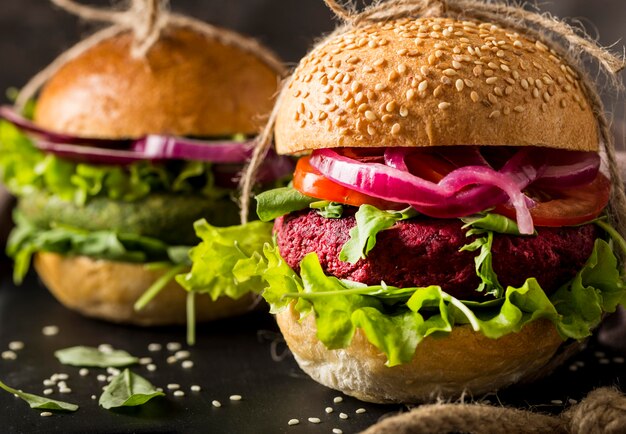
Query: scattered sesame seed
x=105 y=348
x=599 y=354
x=337 y=399
x=50 y=330
x=216 y=403
x=556 y=402
x=572 y=401
x=62 y=384
x=83 y=372
x=94 y=397
x=16 y=345
x=171 y=359
x=173 y=346
x=64 y=376
x=604 y=361
x=45 y=414
x=102 y=377
x=145 y=360
x=179 y=393
x=195 y=388
x=65 y=390
x=618 y=360
x=337 y=431
x=113 y=371
x=49 y=382
x=235 y=397
x=48 y=391
x=343 y=416
x=292 y=422
x=573 y=368
x=187 y=364
x=8 y=355
x=173 y=386
x=360 y=411
x=329 y=410
x=314 y=419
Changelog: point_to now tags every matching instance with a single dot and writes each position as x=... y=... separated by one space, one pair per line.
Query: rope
x=146 y=19
x=602 y=411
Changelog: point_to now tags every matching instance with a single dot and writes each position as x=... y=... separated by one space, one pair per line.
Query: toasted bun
x=187 y=84
x=462 y=362
x=108 y=290
x=433 y=82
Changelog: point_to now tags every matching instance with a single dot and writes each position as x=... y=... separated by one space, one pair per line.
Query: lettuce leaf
x=221 y=253
x=24 y=169
x=395 y=320
x=369 y=222
x=27 y=239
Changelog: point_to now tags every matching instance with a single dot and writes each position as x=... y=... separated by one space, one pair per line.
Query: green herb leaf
x=484 y=264
x=93 y=357
x=327 y=209
x=369 y=222
x=40 y=402
x=128 y=389
x=280 y=201
x=492 y=222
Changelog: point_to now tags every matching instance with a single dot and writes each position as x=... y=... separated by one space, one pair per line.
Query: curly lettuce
x=24 y=169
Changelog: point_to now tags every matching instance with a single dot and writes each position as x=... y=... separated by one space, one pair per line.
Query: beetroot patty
x=424 y=251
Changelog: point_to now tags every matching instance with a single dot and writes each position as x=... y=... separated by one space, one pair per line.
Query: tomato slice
x=567 y=207
x=428 y=166
x=308 y=180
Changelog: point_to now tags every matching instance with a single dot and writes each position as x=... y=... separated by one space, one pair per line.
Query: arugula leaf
x=216 y=257
x=128 y=389
x=396 y=319
x=492 y=222
x=40 y=402
x=24 y=169
x=93 y=357
x=327 y=209
x=280 y=201
x=27 y=239
x=484 y=264
x=369 y=222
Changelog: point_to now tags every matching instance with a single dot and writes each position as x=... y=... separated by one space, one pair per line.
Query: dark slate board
x=231 y=357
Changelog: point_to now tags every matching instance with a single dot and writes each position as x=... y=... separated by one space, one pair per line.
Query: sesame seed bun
x=433 y=82
x=462 y=362
x=108 y=290
x=187 y=85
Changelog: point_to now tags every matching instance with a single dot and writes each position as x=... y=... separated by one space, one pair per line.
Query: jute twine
x=603 y=411
x=146 y=19
x=575 y=47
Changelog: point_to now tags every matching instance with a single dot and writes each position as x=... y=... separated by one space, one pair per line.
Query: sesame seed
x=62 y=384
x=492 y=98
x=494 y=114
x=179 y=393
x=94 y=397
x=145 y=360
x=16 y=345
x=491 y=80
x=45 y=414
x=48 y=391
x=459 y=85
x=604 y=361
x=49 y=382
x=360 y=411
x=456 y=64
x=195 y=388
x=173 y=386
x=556 y=402
x=410 y=94
x=314 y=419
x=337 y=431
x=293 y=422
x=449 y=72
x=438 y=91
x=182 y=354
x=619 y=360
x=65 y=390
x=8 y=355
x=404 y=112
x=475 y=97
x=508 y=90
x=112 y=371
x=83 y=372
x=517 y=44
x=105 y=348
x=573 y=368
x=370 y=116
x=505 y=68
x=172 y=359
x=343 y=416
x=395 y=130
x=519 y=109
x=235 y=397
x=402 y=68
x=50 y=330
x=187 y=364
x=498 y=91
x=329 y=410
x=438 y=54
x=379 y=87
x=572 y=401
x=64 y=376
x=535 y=93
x=393 y=76
x=337 y=399
x=546 y=97
x=216 y=403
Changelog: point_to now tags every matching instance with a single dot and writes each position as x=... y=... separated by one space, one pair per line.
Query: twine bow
x=147 y=19
x=603 y=411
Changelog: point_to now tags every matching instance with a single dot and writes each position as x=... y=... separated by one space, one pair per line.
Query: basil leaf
x=369 y=222
x=93 y=357
x=280 y=201
x=328 y=209
x=128 y=389
x=40 y=402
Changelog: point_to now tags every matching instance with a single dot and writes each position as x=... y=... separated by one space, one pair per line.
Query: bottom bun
x=464 y=362
x=108 y=290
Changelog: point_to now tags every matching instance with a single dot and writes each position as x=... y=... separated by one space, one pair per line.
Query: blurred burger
x=445 y=233
x=124 y=153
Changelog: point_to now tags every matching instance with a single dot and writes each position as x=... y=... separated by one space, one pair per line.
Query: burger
x=445 y=230
x=122 y=155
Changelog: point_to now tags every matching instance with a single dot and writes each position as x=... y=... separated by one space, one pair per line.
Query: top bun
x=188 y=84
x=434 y=82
